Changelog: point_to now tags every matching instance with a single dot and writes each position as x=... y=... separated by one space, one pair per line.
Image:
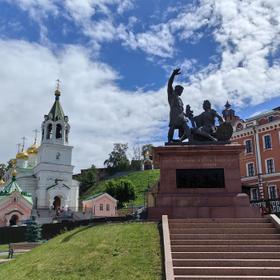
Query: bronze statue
x=205 y=122
x=178 y=118
x=203 y=126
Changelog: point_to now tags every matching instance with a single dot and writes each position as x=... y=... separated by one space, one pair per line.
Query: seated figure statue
x=205 y=123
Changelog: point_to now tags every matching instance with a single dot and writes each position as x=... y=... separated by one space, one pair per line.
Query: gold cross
x=57 y=84
x=36 y=133
x=23 y=142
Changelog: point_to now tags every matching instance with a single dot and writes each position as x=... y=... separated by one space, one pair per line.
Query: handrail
x=169 y=273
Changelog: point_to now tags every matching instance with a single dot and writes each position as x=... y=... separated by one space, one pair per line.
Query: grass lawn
x=141 y=180
x=4 y=247
x=125 y=251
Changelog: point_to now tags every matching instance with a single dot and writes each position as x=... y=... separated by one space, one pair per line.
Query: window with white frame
x=267 y=142
x=248 y=146
x=101 y=207
x=272 y=192
x=250 y=169
x=270 y=168
x=254 y=193
x=107 y=207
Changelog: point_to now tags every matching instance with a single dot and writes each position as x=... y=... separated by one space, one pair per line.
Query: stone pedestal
x=179 y=197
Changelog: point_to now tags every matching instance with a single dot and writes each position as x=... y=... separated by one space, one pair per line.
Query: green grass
x=4 y=247
x=115 y=251
x=140 y=179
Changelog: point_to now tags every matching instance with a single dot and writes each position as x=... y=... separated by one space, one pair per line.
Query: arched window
x=58 y=132
x=49 y=131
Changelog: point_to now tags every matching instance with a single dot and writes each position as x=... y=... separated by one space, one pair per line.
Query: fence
x=271 y=206
x=17 y=234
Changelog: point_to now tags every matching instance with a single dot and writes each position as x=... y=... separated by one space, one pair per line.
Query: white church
x=46 y=171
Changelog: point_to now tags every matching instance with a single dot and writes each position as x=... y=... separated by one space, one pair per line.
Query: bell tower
x=54 y=169
x=55 y=127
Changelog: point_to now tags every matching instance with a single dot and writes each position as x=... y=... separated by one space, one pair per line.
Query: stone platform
x=200 y=181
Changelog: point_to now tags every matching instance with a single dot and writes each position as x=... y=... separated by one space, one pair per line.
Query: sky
x=114 y=58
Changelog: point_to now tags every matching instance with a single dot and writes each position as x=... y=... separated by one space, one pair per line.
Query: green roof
x=13 y=187
x=56 y=112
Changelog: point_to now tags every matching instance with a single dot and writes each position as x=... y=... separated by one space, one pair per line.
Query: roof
x=56 y=112
x=264 y=114
x=14 y=187
x=98 y=195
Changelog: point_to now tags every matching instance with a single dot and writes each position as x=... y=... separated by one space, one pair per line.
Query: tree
x=122 y=190
x=33 y=231
x=147 y=148
x=136 y=162
x=117 y=160
x=87 y=178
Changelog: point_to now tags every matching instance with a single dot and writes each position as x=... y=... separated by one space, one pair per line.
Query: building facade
x=260 y=160
x=46 y=171
x=101 y=205
x=15 y=204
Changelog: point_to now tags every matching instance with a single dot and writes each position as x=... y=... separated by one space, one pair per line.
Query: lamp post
x=258 y=162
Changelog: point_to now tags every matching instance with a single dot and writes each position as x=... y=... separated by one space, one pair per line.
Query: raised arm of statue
x=220 y=119
x=171 y=80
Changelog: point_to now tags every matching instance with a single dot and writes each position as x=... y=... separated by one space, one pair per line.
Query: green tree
x=33 y=231
x=117 y=160
x=122 y=190
x=147 y=148
x=87 y=178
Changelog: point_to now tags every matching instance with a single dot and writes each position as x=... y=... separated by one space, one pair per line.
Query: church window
x=49 y=131
x=107 y=207
x=58 y=133
x=58 y=155
x=101 y=207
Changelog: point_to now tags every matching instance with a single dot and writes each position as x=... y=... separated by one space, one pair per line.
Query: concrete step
x=223 y=230
x=225 y=248
x=221 y=225
x=224 y=242
x=224 y=271
x=225 y=236
x=226 y=255
x=227 y=262
x=201 y=277
x=220 y=220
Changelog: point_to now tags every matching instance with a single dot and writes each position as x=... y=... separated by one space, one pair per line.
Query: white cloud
x=246 y=32
x=100 y=113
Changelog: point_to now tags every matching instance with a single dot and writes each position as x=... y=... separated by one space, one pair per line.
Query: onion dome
x=22 y=155
x=33 y=150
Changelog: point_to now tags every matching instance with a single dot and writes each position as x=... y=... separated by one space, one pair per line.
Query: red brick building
x=260 y=160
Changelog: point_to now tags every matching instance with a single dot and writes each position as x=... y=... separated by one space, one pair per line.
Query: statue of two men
x=203 y=125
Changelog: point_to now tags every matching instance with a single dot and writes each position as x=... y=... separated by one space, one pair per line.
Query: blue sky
x=114 y=58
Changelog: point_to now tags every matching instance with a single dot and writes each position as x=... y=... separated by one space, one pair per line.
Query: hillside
x=114 y=251
x=141 y=180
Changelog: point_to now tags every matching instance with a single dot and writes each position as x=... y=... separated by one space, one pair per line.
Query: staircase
x=225 y=248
